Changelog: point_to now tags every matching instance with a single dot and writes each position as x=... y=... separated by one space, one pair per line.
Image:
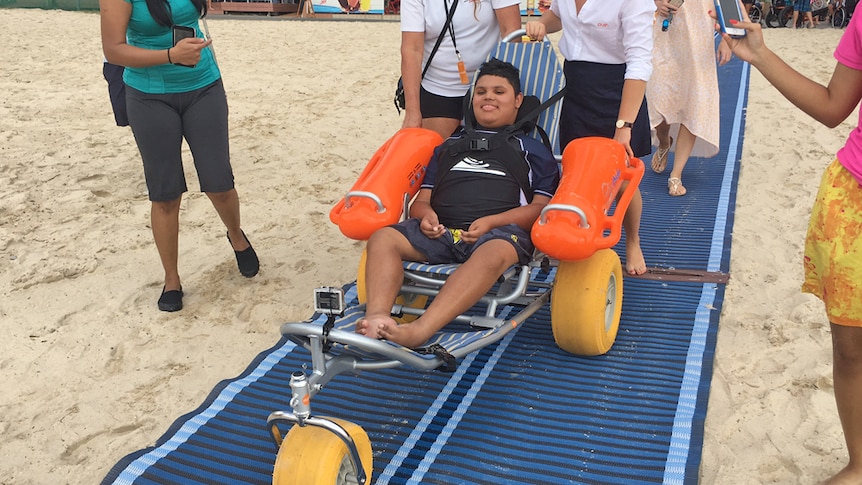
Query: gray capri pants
x=161 y=121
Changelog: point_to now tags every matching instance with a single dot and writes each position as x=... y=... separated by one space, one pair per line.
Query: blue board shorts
x=449 y=248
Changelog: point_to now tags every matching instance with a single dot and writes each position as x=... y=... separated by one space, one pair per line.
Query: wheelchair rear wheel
x=773 y=19
x=586 y=303
x=786 y=17
x=310 y=455
x=755 y=14
x=839 y=18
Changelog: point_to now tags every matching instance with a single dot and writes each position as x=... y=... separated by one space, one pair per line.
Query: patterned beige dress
x=683 y=87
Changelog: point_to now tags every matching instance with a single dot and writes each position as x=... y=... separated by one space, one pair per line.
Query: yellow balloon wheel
x=409 y=300
x=586 y=303
x=312 y=455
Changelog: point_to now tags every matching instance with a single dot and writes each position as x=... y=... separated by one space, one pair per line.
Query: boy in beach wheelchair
x=475 y=207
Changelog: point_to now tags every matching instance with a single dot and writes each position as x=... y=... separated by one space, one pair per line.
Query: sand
x=91 y=370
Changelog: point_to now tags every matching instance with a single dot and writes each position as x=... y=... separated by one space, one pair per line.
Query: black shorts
x=435 y=106
x=445 y=250
x=161 y=121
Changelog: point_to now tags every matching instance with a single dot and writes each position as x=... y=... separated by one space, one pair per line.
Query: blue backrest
x=541 y=76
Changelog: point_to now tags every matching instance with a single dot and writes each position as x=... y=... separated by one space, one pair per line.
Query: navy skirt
x=591 y=105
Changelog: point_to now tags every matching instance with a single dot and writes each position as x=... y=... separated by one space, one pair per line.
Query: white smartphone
x=727 y=10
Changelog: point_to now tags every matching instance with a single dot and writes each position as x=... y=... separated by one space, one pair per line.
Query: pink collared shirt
x=849 y=53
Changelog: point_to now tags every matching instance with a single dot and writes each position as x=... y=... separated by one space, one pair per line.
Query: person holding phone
x=608 y=49
x=833 y=246
x=174 y=91
x=682 y=93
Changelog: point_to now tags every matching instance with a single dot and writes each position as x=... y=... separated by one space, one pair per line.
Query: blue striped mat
x=520 y=411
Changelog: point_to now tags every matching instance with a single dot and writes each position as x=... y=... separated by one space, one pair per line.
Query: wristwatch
x=624 y=124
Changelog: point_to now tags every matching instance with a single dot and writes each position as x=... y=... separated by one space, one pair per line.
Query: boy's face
x=495 y=102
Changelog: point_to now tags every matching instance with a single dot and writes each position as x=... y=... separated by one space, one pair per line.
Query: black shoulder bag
x=400 y=103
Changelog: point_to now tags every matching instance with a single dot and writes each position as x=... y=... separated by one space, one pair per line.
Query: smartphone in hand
x=725 y=11
x=180 y=32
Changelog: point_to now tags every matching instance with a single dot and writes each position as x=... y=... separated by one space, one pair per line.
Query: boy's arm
x=523 y=216
x=421 y=209
x=421 y=206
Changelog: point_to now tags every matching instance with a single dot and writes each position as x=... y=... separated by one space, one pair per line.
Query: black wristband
x=169 y=56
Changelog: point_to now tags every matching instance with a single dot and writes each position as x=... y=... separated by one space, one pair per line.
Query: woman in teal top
x=174 y=92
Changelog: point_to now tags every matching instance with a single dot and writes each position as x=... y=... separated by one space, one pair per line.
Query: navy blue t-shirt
x=478 y=186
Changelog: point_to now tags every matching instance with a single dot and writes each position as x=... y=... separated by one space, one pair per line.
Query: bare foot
x=635 y=262
x=410 y=335
x=847 y=476
x=370 y=325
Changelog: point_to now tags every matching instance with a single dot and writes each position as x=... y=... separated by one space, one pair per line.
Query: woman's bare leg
x=165 y=221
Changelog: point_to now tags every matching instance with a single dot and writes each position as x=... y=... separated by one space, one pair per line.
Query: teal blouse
x=144 y=32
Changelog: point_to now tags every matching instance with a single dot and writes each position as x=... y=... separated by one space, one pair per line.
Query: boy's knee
x=498 y=253
x=385 y=238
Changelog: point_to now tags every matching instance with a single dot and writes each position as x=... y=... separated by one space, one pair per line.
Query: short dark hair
x=496 y=67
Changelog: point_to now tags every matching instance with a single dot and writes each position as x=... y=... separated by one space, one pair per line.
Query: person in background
x=682 y=93
x=803 y=6
x=833 y=246
x=436 y=102
x=608 y=50
x=175 y=91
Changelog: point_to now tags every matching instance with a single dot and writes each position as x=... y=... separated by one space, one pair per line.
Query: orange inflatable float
x=575 y=223
x=392 y=177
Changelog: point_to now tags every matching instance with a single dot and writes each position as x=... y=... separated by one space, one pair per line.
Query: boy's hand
x=431 y=227
x=477 y=229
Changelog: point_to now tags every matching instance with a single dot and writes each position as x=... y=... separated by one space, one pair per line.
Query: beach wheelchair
x=574 y=268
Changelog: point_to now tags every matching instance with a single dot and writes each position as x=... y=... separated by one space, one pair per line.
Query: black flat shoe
x=246 y=260
x=171 y=301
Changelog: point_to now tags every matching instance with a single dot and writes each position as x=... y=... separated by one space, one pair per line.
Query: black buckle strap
x=449 y=361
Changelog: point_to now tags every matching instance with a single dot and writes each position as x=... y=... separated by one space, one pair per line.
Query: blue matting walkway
x=520 y=411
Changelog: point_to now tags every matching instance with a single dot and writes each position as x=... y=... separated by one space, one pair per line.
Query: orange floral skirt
x=833 y=247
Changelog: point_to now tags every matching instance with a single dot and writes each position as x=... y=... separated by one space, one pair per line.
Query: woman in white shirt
x=436 y=101
x=608 y=49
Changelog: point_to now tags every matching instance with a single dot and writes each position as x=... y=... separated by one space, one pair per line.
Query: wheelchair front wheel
x=586 y=303
x=310 y=455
